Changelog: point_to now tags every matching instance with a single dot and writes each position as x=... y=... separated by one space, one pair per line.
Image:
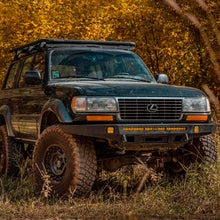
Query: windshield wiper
x=80 y=76
x=126 y=77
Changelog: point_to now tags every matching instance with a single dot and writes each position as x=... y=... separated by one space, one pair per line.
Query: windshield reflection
x=114 y=65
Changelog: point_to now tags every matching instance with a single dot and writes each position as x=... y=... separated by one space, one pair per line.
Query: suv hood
x=126 y=89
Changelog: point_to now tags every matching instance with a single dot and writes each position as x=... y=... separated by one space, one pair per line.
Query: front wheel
x=202 y=150
x=69 y=161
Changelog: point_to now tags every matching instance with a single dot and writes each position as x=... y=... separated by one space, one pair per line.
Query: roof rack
x=49 y=43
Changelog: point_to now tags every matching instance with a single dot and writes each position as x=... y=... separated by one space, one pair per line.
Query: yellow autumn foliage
x=165 y=41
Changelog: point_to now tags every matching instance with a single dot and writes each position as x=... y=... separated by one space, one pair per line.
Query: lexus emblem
x=152 y=108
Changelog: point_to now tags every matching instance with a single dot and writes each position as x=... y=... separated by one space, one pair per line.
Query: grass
x=114 y=196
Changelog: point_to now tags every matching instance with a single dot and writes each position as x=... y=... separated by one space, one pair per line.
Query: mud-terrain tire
x=8 y=165
x=69 y=161
x=202 y=150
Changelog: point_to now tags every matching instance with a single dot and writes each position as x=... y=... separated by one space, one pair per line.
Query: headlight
x=94 y=104
x=198 y=104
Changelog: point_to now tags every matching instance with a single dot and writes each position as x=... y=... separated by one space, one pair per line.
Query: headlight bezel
x=94 y=104
x=196 y=105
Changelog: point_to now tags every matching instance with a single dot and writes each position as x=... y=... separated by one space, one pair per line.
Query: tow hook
x=187 y=137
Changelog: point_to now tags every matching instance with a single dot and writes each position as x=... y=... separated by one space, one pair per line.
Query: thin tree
x=213 y=54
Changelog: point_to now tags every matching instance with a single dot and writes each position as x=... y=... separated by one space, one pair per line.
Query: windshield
x=98 y=65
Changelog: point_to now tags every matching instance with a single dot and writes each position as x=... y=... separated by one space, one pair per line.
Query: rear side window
x=11 y=76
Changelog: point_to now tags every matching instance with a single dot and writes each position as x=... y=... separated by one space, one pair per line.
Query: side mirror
x=32 y=77
x=162 y=78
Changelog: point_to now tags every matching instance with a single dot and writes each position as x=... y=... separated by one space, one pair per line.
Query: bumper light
x=196 y=129
x=155 y=129
x=110 y=130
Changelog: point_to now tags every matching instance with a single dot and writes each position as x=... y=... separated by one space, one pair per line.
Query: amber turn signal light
x=197 y=118
x=99 y=118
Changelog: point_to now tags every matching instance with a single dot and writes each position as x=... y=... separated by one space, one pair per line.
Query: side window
x=27 y=66
x=11 y=76
x=39 y=64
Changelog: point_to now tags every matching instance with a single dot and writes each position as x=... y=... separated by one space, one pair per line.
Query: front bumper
x=142 y=135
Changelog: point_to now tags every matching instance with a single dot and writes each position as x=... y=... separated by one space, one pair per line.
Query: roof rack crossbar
x=48 y=43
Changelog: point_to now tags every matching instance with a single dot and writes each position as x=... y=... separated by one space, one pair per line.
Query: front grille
x=140 y=109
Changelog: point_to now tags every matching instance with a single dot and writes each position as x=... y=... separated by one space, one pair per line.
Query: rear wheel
x=8 y=150
x=69 y=161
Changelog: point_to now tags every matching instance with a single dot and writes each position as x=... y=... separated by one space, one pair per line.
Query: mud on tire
x=8 y=165
x=69 y=161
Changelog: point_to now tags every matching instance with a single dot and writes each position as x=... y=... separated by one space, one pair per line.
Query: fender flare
x=58 y=108
x=6 y=113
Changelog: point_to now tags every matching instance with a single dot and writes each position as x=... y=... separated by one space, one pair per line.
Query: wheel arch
x=53 y=112
x=5 y=119
x=48 y=118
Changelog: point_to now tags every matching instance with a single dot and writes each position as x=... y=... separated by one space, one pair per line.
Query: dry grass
x=114 y=196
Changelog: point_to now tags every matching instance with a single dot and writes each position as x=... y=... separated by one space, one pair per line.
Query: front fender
x=57 y=107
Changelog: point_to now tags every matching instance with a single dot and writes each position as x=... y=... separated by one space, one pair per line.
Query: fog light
x=196 y=129
x=110 y=130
